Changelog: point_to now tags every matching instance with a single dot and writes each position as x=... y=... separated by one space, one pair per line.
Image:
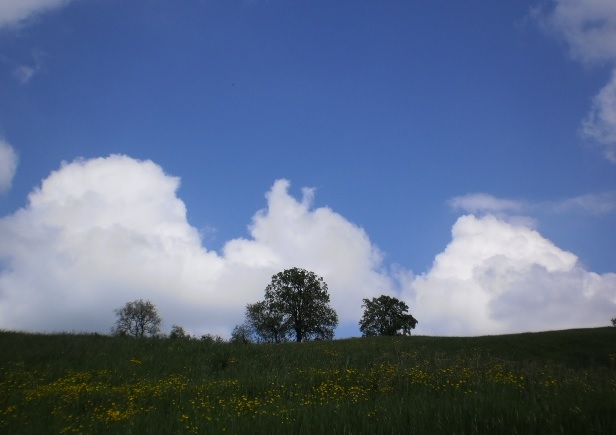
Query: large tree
x=138 y=318
x=296 y=306
x=386 y=316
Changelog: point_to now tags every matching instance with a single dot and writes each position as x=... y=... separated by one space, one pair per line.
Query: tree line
x=295 y=308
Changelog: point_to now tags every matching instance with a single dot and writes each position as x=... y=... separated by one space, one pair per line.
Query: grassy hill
x=548 y=382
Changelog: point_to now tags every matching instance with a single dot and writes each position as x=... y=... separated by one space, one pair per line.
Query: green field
x=540 y=383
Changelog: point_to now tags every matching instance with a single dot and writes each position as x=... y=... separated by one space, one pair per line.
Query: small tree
x=242 y=334
x=301 y=300
x=386 y=316
x=614 y=321
x=296 y=306
x=138 y=319
x=177 y=332
x=267 y=323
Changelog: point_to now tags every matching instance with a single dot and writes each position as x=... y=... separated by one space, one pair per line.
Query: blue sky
x=458 y=155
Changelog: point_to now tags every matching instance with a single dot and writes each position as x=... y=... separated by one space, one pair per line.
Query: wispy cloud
x=588 y=27
x=24 y=72
x=8 y=165
x=594 y=204
x=483 y=204
x=16 y=12
x=600 y=124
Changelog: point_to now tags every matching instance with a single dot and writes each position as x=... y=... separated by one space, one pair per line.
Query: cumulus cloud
x=497 y=277
x=589 y=29
x=16 y=12
x=8 y=165
x=97 y=232
x=100 y=232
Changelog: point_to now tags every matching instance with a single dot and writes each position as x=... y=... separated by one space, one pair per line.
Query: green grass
x=550 y=382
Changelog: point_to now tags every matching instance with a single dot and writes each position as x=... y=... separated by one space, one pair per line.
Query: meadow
x=543 y=383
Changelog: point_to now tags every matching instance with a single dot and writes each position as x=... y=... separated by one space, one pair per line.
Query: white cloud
x=8 y=165
x=100 y=232
x=589 y=29
x=496 y=277
x=15 y=12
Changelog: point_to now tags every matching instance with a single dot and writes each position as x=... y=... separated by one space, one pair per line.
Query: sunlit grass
x=379 y=385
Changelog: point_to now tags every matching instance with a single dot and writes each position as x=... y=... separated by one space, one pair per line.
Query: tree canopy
x=138 y=318
x=296 y=307
x=386 y=315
